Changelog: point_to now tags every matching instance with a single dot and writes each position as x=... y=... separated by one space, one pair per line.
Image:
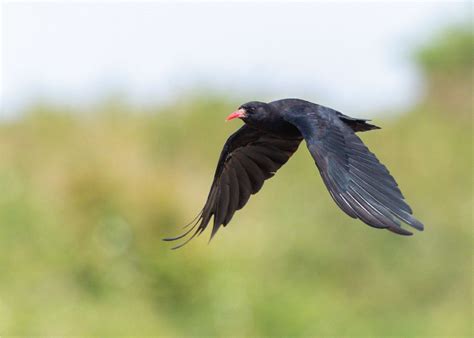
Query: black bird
x=359 y=184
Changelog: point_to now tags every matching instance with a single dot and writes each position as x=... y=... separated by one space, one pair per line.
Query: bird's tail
x=358 y=124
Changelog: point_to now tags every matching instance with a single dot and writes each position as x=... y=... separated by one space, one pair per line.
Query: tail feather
x=358 y=124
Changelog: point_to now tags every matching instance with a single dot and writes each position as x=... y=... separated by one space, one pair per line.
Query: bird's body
x=359 y=184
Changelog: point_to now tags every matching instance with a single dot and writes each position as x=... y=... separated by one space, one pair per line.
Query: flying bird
x=359 y=184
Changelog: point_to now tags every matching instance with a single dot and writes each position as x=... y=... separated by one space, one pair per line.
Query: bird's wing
x=360 y=185
x=248 y=158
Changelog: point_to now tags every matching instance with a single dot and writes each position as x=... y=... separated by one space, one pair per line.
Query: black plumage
x=359 y=184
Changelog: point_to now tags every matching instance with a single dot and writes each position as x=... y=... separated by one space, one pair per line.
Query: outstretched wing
x=360 y=185
x=248 y=158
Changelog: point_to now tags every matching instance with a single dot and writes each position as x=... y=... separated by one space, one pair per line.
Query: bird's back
x=294 y=106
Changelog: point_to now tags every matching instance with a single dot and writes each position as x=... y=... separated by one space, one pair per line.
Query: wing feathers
x=359 y=184
x=245 y=185
x=255 y=173
x=264 y=162
x=222 y=204
x=234 y=195
x=248 y=158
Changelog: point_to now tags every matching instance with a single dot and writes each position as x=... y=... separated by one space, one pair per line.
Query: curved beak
x=237 y=114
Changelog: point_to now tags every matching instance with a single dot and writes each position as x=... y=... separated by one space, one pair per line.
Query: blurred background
x=110 y=130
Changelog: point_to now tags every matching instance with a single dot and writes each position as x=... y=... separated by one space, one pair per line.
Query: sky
x=353 y=56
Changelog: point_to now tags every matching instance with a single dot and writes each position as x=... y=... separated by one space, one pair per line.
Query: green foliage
x=448 y=64
x=453 y=50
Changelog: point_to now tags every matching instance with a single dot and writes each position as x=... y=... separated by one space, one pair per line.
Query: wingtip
x=400 y=231
x=417 y=225
x=195 y=223
x=213 y=233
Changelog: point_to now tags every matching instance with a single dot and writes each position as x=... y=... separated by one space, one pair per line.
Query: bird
x=358 y=183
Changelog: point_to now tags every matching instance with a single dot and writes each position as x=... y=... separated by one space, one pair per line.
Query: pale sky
x=353 y=56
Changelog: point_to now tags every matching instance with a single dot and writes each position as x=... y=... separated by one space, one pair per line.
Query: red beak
x=237 y=114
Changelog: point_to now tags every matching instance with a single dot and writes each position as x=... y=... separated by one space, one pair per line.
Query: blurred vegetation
x=451 y=51
x=447 y=63
x=88 y=195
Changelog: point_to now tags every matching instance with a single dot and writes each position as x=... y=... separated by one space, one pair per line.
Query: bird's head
x=251 y=112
